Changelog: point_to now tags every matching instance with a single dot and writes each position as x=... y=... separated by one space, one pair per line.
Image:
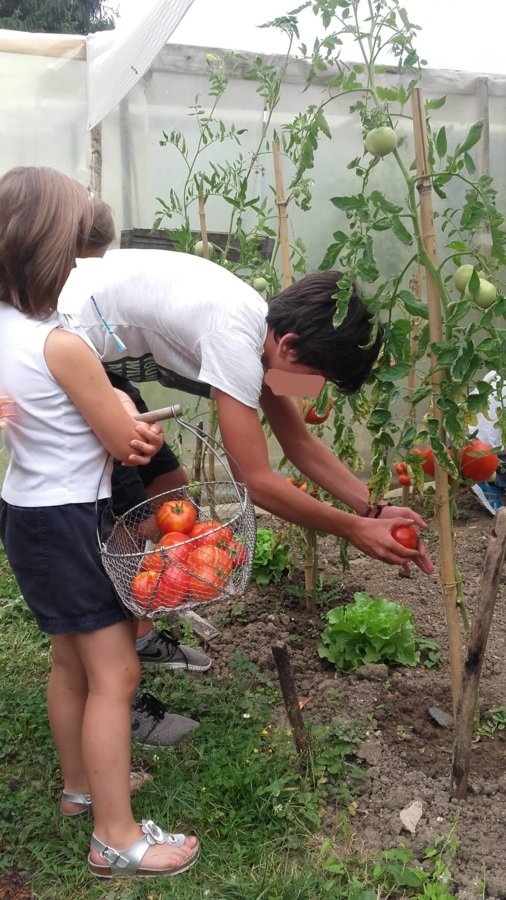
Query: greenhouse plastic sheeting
x=117 y=59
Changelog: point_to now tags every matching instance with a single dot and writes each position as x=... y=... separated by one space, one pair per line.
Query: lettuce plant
x=369 y=630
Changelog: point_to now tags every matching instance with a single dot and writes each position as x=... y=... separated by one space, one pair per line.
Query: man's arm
x=246 y=446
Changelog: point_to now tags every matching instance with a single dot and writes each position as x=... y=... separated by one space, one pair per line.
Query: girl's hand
x=148 y=442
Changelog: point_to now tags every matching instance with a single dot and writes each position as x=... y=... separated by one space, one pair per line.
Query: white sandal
x=127 y=863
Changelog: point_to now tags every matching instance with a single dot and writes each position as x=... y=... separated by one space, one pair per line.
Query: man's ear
x=284 y=346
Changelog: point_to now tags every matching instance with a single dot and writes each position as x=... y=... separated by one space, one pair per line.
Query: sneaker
x=165 y=650
x=153 y=726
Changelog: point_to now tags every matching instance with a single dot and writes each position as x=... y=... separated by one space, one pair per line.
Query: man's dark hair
x=344 y=355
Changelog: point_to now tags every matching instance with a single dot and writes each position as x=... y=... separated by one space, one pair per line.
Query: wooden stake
x=290 y=699
x=443 y=514
x=482 y=619
x=203 y=227
x=282 y=204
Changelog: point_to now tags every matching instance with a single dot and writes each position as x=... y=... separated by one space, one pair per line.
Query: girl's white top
x=55 y=456
x=191 y=315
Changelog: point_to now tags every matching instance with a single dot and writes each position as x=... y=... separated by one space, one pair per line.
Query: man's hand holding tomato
x=243 y=436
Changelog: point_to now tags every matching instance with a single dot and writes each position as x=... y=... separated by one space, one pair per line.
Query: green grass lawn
x=239 y=785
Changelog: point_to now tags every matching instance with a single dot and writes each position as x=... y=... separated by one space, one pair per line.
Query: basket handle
x=158 y=415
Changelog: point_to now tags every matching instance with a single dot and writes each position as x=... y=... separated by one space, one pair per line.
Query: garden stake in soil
x=443 y=515
x=311 y=562
x=290 y=698
x=482 y=619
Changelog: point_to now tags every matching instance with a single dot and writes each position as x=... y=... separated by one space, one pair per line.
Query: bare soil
x=407 y=756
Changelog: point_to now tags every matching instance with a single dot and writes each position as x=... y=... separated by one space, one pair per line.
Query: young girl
x=68 y=425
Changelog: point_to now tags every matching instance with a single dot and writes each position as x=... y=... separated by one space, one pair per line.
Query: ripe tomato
x=211 y=555
x=173 y=547
x=400 y=468
x=477 y=463
x=205 y=584
x=406 y=535
x=176 y=515
x=212 y=532
x=237 y=552
x=310 y=414
x=428 y=459
x=145 y=589
x=174 y=586
x=380 y=141
x=404 y=479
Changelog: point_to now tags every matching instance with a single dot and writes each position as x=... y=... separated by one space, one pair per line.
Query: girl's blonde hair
x=45 y=221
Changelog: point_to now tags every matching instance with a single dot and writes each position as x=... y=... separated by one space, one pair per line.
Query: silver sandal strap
x=126 y=862
x=82 y=799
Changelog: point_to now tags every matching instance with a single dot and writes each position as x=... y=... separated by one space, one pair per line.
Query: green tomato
x=462 y=277
x=485 y=296
x=260 y=283
x=198 y=249
x=381 y=141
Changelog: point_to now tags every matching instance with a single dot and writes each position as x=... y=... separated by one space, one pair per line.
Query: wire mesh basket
x=155 y=567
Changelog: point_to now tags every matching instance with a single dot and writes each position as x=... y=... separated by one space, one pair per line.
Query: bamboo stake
x=206 y=255
x=482 y=620
x=416 y=287
x=311 y=561
x=282 y=204
x=203 y=227
x=438 y=375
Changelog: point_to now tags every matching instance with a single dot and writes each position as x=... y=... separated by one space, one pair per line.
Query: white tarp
x=117 y=59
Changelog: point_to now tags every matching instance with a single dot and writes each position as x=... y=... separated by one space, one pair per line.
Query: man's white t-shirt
x=192 y=316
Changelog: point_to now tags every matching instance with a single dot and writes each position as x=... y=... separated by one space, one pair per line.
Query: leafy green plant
x=495 y=721
x=272 y=558
x=369 y=630
x=430 y=652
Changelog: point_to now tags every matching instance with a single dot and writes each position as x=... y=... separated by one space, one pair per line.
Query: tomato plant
x=406 y=535
x=176 y=515
x=477 y=462
x=311 y=416
x=427 y=454
x=381 y=141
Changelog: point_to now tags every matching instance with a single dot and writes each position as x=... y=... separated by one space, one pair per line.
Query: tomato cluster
x=477 y=462
x=191 y=560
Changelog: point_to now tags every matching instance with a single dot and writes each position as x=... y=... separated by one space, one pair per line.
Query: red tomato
x=406 y=535
x=173 y=547
x=205 y=584
x=405 y=480
x=237 y=552
x=212 y=532
x=174 y=586
x=310 y=414
x=477 y=463
x=176 y=515
x=400 y=468
x=211 y=555
x=145 y=589
x=428 y=459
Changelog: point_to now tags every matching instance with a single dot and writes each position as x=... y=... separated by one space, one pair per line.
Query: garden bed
x=406 y=755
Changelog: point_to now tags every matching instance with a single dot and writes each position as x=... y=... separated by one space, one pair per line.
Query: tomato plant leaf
x=441 y=143
x=401 y=232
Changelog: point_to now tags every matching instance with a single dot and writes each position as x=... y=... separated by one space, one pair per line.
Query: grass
x=257 y=807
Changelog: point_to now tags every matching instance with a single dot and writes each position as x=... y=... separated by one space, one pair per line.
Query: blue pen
x=119 y=343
